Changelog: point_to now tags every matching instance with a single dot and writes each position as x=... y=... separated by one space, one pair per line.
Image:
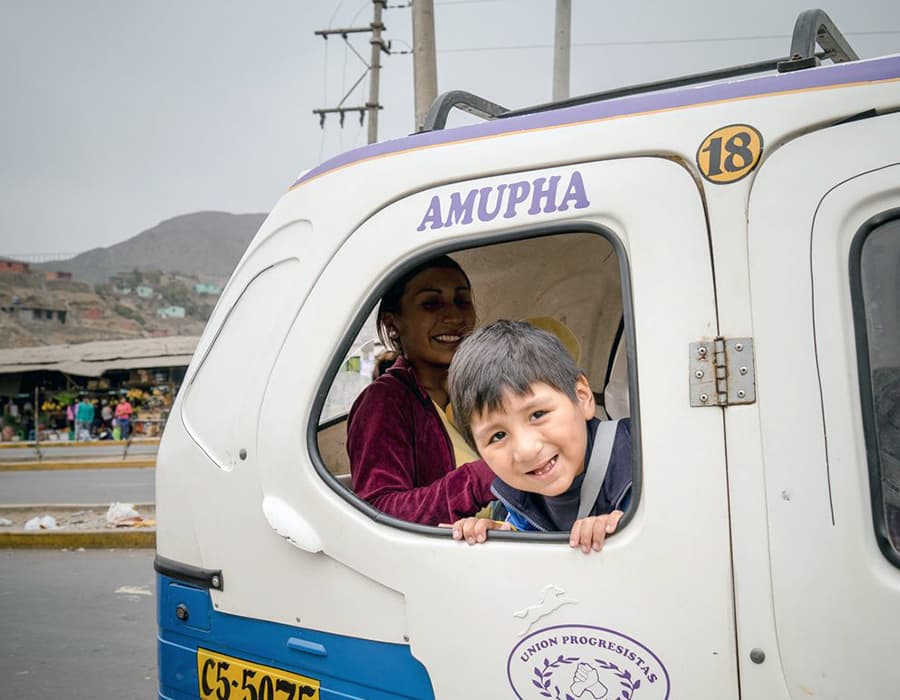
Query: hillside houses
x=18 y=267
x=14 y=266
x=31 y=311
x=40 y=306
x=171 y=312
x=53 y=275
x=207 y=288
x=162 y=282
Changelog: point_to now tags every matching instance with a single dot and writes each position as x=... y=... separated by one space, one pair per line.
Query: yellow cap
x=561 y=331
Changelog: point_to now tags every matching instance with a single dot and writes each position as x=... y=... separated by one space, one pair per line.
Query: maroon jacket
x=401 y=458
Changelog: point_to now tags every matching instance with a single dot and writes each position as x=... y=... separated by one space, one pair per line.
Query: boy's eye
x=538 y=414
x=499 y=435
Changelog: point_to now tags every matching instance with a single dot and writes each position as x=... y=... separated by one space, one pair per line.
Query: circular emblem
x=581 y=662
x=729 y=153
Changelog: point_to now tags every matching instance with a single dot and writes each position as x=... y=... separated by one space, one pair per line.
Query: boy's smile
x=542 y=471
x=536 y=442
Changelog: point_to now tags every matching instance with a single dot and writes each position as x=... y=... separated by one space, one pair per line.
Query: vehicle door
x=519 y=615
x=824 y=270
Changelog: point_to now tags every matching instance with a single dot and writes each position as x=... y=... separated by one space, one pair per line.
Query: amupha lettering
x=540 y=195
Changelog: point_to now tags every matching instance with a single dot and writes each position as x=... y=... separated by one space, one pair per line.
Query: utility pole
x=373 y=68
x=562 y=41
x=424 y=62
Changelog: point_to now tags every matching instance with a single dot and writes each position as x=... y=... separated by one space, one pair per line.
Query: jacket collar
x=404 y=372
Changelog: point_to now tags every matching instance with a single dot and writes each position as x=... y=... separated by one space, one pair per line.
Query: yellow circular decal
x=729 y=153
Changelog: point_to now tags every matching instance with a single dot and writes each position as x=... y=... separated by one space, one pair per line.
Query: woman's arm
x=381 y=445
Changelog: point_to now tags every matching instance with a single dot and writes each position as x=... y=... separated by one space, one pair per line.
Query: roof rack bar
x=815 y=27
x=436 y=119
x=812 y=27
x=693 y=79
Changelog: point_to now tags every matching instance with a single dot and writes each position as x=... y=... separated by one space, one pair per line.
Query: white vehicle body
x=751 y=564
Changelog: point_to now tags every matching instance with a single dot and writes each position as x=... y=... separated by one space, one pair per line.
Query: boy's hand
x=590 y=533
x=474 y=530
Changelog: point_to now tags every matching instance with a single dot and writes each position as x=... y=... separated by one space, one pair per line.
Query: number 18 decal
x=729 y=153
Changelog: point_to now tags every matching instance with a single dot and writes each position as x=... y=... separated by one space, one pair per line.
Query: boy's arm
x=590 y=533
x=474 y=530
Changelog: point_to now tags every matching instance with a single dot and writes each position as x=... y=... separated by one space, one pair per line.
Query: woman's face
x=436 y=313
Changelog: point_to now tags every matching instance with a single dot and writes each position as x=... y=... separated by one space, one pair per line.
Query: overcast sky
x=118 y=115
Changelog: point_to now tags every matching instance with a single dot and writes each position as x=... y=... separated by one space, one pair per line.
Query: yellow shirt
x=462 y=453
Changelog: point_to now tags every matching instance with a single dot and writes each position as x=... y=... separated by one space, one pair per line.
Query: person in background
x=123 y=416
x=29 y=422
x=75 y=424
x=97 y=425
x=10 y=421
x=406 y=458
x=70 y=420
x=84 y=418
x=383 y=362
x=106 y=414
x=103 y=423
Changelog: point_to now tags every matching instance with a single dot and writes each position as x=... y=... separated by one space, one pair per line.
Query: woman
x=406 y=458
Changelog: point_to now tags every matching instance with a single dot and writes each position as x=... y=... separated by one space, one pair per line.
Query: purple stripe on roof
x=850 y=72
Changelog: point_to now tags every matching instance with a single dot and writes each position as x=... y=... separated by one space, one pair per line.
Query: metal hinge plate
x=722 y=372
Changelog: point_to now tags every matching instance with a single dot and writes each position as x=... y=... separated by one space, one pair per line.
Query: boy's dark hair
x=504 y=355
x=390 y=302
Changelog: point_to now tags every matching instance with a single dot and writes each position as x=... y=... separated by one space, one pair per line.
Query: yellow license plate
x=221 y=677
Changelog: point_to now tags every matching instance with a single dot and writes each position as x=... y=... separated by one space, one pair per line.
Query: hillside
x=204 y=243
x=162 y=282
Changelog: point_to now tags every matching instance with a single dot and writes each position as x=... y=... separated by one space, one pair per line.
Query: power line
x=335 y=13
x=372 y=69
x=657 y=42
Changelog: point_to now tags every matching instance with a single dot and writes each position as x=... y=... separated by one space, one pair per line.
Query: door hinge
x=722 y=372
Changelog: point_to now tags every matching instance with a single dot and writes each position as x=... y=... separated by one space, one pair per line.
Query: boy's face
x=536 y=442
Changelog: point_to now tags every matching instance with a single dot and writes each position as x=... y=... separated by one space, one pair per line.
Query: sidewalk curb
x=83 y=464
x=50 y=444
x=89 y=539
x=7 y=507
x=107 y=538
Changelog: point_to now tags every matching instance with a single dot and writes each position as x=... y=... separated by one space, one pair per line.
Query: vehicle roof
x=839 y=75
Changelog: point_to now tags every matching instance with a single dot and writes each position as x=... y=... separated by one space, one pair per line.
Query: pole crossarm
x=342 y=111
x=373 y=70
x=325 y=33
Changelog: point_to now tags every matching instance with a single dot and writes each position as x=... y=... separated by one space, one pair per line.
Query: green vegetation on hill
x=129 y=313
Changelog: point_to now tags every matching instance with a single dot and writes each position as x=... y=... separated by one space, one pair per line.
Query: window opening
x=568 y=281
x=875 y=278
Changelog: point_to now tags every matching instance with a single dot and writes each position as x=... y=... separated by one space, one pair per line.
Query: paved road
x=87 y=486
x=77 y=625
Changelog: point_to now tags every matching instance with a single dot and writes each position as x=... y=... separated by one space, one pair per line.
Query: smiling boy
x=521 y=401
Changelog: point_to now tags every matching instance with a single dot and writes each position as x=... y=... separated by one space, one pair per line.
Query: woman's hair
x=390 y=302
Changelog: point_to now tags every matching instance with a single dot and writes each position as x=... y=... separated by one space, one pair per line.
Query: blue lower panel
x=346 y=667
